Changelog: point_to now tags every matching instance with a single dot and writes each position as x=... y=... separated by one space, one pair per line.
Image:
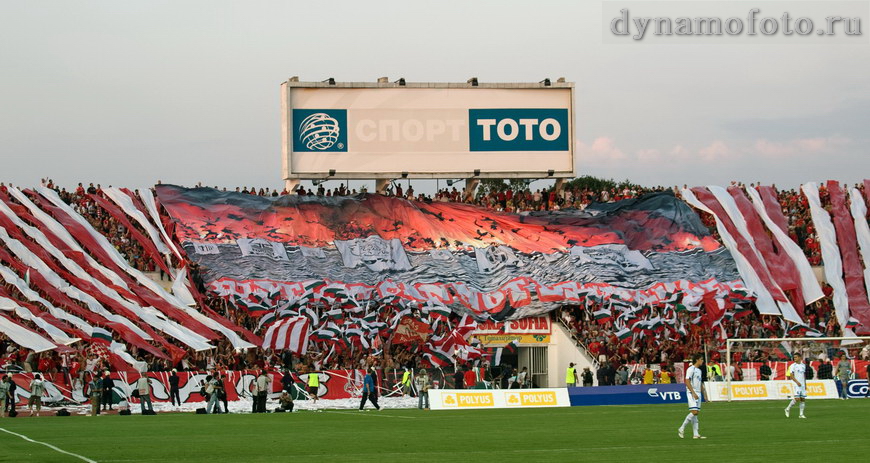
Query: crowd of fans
x=671 y=345
x=598 y=338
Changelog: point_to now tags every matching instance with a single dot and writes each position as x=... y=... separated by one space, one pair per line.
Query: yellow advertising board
x=456 y=399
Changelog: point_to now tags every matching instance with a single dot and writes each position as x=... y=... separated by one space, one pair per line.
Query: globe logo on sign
x=319 y=131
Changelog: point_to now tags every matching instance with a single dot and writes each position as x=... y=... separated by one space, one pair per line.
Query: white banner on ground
x=464 y=399
x=769 y=390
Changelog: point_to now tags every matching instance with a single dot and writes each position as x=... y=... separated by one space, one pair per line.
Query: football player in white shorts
x=693 y=388
x=798 y=373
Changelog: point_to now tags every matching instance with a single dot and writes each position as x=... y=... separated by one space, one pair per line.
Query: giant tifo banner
x=334 y=384
x=368 y=130
x=265 y=253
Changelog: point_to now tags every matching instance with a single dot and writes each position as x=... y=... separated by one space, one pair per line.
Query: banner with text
x=768 y=390
x=460 y=399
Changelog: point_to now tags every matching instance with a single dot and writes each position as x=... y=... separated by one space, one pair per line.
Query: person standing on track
x=4 y=394
x=108 y=385
x=406 y=382
x=222 y=391
x=422 y=381
x=369 y=391
x=37 y=387
x=693 y=387
x=313 y=385
x=10 y=396
x=144 y=393
x=571 y=376
x=174 y=395
x=211 y=392
x=95 y=392
x=844 y=373
x=264 y=386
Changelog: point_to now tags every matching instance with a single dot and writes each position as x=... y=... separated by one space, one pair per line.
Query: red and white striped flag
x=288 y=334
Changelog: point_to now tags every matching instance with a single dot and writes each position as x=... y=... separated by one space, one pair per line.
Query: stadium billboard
x=769 y=390
x=628 y=394
x=858 y=389
x=427 y=130
x=469 y=399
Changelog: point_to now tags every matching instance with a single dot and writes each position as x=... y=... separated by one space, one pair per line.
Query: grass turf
x=738 y=431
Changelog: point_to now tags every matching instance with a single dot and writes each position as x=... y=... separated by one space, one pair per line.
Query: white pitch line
x=49 y=446
x=372 y=414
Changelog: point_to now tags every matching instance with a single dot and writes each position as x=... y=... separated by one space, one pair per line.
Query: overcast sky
x=126 y=93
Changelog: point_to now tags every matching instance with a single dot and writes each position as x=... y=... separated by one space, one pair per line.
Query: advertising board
x=769 y=390
x=423 y=130
x=628 y=394
x=468 y=399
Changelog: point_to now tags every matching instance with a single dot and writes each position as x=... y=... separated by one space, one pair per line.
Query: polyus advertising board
x=371 y=130
x=769 y=390
x=469 y=399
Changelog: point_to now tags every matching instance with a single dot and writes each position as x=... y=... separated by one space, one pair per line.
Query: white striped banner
x=288 y=334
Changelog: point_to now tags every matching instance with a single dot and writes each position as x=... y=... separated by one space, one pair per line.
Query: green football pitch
x=745 y=431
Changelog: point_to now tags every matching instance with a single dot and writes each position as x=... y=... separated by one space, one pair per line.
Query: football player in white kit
x=797 y=372
x=693 y=388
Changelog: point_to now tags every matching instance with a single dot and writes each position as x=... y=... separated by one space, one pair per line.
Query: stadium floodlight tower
x=387 y=130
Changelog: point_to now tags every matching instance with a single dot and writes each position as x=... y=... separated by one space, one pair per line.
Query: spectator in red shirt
x=470 y=378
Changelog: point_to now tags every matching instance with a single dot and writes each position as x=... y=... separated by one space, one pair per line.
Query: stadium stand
x=108 y=297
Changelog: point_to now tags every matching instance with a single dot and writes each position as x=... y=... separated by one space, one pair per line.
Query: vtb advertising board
x=358 y=130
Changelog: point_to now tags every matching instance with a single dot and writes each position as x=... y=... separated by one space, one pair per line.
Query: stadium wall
x=561 y=351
